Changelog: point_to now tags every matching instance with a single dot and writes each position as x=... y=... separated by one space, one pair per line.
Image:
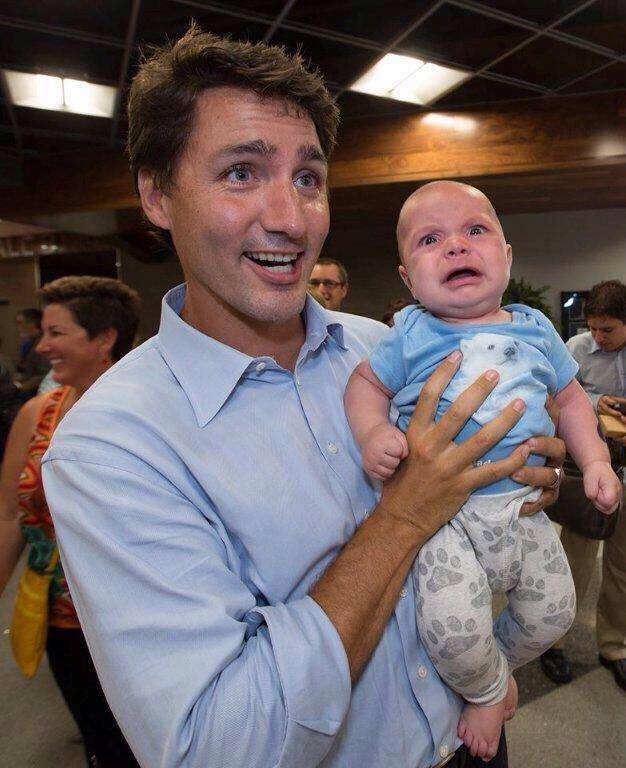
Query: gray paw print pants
x=485 y=549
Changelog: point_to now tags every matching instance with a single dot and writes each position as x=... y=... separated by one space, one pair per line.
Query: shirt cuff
x=315 y=678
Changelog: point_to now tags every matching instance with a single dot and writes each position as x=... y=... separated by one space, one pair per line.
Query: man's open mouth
x=277 y=262
x=457 y=274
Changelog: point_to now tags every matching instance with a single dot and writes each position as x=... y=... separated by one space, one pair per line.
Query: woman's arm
x=15 y=456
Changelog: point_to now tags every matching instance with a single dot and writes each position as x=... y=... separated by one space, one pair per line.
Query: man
x=601 y=355
x=330 y=279
x=242 y=593
x=32 y=367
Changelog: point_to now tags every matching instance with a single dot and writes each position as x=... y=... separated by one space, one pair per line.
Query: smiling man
x=240 y=587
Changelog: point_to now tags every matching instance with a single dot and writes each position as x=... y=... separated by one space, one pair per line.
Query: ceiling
x=517 y=50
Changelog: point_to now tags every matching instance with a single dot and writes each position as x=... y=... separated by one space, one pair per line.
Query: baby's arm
x=578 y=427
x=366 y=400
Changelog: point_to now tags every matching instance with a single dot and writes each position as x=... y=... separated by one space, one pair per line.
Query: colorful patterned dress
x=36 y=522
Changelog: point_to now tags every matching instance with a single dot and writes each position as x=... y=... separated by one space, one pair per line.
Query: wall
x=565 y=250
x=18 y=286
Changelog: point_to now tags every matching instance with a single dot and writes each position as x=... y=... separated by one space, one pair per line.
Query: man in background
x=601 y=355
x=31 y=367
x=330 y=279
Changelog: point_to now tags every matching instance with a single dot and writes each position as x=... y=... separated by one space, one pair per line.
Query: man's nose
x=283 y=210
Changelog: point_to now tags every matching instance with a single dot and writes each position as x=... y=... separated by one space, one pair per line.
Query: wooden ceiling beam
x=547 y=137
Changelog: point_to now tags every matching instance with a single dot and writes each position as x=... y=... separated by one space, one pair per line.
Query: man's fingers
x=426 y=406
x=541 y=477
x=480 y=442
x=553 y=448
x=545 y=499
x=467 y=403
x=490 y=473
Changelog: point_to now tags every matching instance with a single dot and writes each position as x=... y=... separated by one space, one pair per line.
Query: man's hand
x=383 y=449
x=553 y=448
x=602 y=486
x=438 y=475
x=606 y=406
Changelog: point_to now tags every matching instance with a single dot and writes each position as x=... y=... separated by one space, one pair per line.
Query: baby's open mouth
x=463 y=272
x=277 y=262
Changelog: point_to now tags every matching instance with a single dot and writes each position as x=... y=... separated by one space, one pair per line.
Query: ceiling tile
x=359 y=105
x=603 y=23
x=368 y=19
x=445 y=34
x=548 y=62
x=538 y=11
x=479 y=89
x=106 y=17
x=614 y=76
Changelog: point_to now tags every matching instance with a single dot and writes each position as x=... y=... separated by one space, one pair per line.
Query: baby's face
x=455 y=259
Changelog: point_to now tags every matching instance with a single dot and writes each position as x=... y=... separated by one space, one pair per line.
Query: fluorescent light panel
x=405 y=78
x=60 y=94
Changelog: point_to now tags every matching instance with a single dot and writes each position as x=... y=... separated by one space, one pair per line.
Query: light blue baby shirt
x=197 y=494
x=528 y=353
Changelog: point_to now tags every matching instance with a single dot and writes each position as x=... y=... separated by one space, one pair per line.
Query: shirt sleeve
x=194 y=670
x=559 y=356
x=387 y=358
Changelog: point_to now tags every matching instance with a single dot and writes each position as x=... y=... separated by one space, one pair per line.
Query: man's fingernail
x=525 y=451
x=519 y=405
x=456 y=355
x=492 y=375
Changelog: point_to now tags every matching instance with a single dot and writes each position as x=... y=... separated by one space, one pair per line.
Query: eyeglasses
x=315 y=283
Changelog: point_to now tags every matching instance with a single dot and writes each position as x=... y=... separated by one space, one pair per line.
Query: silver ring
x=558 y=471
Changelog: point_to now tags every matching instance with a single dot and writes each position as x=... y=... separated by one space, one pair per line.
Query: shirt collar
x=207 y=370
x=594 y=346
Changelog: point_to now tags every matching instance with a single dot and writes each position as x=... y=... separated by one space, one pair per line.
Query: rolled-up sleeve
x=195 y=671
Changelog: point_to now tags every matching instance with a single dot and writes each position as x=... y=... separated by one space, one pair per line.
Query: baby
x=456 y=262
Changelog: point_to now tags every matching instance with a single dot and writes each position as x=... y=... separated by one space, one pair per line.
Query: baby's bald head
x=416 y=206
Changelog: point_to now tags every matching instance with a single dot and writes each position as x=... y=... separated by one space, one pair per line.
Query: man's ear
x=153 y=199
x=405 y=278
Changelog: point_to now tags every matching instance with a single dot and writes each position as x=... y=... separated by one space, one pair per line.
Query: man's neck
x=281 y=341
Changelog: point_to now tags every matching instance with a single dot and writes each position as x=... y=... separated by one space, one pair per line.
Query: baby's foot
x=480 y=726
x=510 y=700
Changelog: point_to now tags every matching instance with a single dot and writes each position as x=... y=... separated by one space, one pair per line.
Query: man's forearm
x=359 y=590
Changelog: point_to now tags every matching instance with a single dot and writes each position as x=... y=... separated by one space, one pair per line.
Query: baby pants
x=485 y=549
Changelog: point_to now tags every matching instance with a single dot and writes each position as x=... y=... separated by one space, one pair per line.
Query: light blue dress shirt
x=601 y=372
x=197 y=493
x=529 y=355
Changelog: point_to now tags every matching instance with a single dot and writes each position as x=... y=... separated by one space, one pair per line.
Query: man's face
x=609 y=333
x=26 y=329
x=455 y=259
x=327 y=280
x=248 y=210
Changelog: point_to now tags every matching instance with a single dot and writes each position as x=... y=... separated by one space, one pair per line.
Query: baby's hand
x=382 y=451
x=602 y=486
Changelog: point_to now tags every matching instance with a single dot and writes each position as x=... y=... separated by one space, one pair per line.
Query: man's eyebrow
x=255 y=147
x=309 y=152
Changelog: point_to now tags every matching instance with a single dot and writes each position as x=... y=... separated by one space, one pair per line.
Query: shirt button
x=403 y=593
x=260 y=367
x=332 y=448
x=422 y=672
x=443 y=751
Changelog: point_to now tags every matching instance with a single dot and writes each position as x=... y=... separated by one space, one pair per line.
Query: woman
x=88 y=324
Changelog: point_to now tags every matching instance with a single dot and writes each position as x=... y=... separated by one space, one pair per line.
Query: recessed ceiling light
x=408 y=79
x=60 y=94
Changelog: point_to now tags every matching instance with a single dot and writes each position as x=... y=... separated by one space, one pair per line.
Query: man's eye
x=306 y=180
x=239 y=173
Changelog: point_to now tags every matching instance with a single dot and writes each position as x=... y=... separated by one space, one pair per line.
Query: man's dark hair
x=31 y=315
x=164 y=92
x=343 y=272
x=97 y=304
x=607 y=299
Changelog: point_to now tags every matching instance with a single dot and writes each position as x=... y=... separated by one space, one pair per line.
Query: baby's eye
x=476 y=229
x=428 y=240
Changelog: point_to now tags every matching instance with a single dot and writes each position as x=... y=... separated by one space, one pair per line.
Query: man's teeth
x=278 y=262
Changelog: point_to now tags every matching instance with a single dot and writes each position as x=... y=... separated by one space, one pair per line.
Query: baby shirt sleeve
x=387 y=359
x=559 y=356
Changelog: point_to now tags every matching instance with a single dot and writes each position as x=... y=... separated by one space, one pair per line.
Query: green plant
x=521 y=292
